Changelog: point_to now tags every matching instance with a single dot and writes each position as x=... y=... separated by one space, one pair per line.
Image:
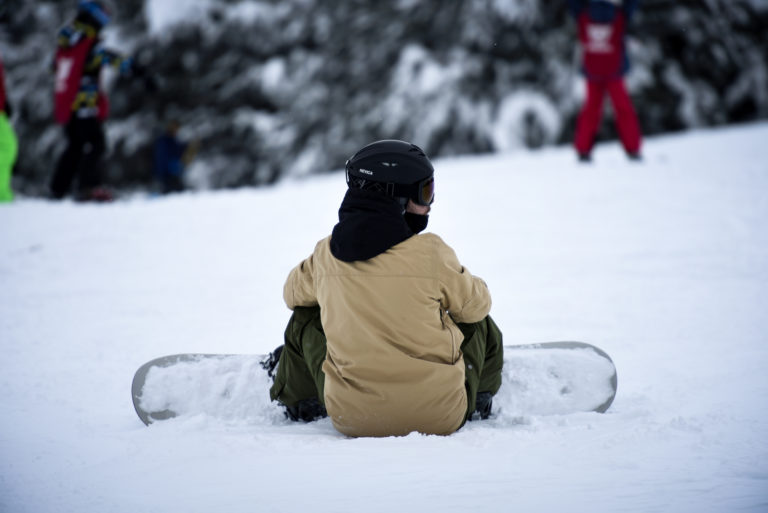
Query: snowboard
x=551 y=378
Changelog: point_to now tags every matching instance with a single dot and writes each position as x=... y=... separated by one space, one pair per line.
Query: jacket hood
x=369 y=224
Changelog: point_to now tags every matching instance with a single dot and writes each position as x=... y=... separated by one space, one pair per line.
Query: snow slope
x=663 y=264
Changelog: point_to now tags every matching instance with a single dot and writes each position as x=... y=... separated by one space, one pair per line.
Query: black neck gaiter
x=369 y=224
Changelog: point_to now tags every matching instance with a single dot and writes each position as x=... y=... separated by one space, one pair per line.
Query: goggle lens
x=428 y=192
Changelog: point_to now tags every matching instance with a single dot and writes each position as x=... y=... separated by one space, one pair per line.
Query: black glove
x=8 y=109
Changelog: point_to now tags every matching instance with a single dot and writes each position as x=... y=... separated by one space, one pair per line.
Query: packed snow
x=225 y=387
x=663 y=264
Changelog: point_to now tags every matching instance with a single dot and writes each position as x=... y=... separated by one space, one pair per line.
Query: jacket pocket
x=455 y=334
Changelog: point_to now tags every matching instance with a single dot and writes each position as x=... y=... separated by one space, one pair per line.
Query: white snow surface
x=663 y=264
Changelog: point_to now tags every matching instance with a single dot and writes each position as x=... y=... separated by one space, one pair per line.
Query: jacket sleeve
x=464 y=296
x=108 y=57
x=299 y=288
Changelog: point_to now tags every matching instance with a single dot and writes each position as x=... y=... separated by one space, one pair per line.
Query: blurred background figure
x=8 y=143
x=601 y=27
x=171 y=158
x=80 y=104
x=279 y=91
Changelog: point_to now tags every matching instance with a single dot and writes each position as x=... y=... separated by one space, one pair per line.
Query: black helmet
x=395 y=168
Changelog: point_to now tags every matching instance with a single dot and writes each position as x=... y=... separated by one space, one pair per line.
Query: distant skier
x=80 y=104
x=171 y=157
x=390 y=333
x=8 y=143
x=601 y=27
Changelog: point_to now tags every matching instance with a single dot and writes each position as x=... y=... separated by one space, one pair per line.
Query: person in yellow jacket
x=390 y=334
x=9 y=145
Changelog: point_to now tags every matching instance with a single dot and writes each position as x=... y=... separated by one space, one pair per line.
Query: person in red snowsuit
x=80 y=104
x=601 y=26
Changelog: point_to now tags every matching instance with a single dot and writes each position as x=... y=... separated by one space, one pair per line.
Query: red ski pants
x=589 y=118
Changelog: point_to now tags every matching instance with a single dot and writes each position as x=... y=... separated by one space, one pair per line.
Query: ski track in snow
x=663 y=264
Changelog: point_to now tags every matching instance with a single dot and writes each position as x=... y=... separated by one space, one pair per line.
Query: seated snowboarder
x=390 y=334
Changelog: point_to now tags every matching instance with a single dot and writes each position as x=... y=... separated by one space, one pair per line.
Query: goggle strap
x=391 y=189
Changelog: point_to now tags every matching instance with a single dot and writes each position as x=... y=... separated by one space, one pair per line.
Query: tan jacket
x=393 y=362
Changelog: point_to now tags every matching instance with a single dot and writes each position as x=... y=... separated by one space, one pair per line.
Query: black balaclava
x=416 y=222
x=369 y=224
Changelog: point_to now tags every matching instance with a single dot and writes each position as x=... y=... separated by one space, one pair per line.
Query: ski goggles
x=426 y=192
x=422 y=193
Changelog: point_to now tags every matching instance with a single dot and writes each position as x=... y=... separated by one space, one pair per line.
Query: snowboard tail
x=537 y=379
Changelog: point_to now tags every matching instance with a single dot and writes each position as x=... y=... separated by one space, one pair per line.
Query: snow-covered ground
x=663 y=264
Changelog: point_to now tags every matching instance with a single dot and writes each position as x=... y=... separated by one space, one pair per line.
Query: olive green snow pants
x=300 y=375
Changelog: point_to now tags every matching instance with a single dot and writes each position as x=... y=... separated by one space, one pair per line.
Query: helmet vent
x=416 y=149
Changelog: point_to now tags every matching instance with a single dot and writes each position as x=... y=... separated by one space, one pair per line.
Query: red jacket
x=71 y=55
x=79 y=59
x=602 y=25
x=603 y=46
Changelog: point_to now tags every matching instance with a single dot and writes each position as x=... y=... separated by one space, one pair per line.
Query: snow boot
x=483 y=404
x=306 y=410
